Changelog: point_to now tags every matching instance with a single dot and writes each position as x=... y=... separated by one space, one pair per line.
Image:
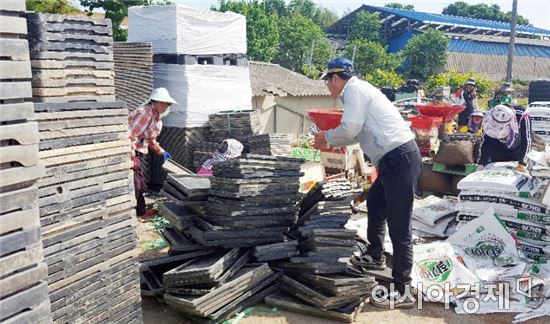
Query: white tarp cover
x=201 y=90
x=488 y=249
x=177 y=29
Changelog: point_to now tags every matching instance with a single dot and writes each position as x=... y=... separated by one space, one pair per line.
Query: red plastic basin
x=447 y=111
x=425 y=122
x=326 y=119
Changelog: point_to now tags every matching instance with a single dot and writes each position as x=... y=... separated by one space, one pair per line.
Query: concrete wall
x=288 y=114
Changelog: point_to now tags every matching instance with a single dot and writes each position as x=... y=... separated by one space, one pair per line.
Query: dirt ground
x=154 y=312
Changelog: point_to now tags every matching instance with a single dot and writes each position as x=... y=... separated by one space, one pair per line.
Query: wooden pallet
x=68 y=191
x=287 y=302
x=104 y=305
x=244 y=281
x=454 y=169
x=14 y=49
x=96 y=268
x=71 y=261
x=16 y=112
x=84 y=152
x=15 y=306
x=12 y=25
x=23 y=279
x=128 y=299
x=70 y=128
x=63 y=299
x=56 y=242
x=13 y=5
x=15 y=90
x=15 y=70
x=57 y=94
x=85 y=169
x=45 y=60
x=73 y=61
x=84 y=214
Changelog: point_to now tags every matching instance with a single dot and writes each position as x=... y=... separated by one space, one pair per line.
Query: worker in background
x=372 y=120
x=475 y=124
x=145 y=125
x=502 y=96
x=506 y=137
x=229 y=149
x=467 y=97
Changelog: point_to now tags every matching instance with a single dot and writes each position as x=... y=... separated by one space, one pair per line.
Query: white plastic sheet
x=201 y=90
x=178 y=29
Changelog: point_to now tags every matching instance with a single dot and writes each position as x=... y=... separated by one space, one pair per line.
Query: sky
x=537 y=11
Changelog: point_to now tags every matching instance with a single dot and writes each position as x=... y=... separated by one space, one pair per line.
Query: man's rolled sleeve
x=343 y=135
x=353 y=118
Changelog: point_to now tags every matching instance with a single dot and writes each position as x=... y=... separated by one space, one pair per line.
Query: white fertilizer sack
x=438 y=264
x=487 y=248
x=431 y=209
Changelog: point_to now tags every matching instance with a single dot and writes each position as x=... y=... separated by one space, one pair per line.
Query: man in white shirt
x=372 y=120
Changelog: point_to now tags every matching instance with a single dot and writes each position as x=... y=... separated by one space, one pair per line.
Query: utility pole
x=512 y=40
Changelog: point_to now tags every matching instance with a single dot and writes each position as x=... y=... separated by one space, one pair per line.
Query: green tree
x=117 y=10
x=321 y=16
x=456 y=80
x=371 y=56
x=366 y=26
x=325 y=18
x=398 y=5
x=295 y=47
x=52 y=6
x=426 y=52
x=482 y=11
x=277 y=7
x=261 y=28
x=381 y=78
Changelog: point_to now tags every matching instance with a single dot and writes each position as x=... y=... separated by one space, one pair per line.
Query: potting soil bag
x=438 y=264
x=431 y=209
x=487 y=248
x=476 y=210
x=540 y=272
x=436 y=230
x=494 y=179
x=534 y=251
x=518 y=203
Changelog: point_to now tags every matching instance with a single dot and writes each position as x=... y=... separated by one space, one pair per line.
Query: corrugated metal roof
x=500 y=39
x=494 y=67
x=427 y=17
x=273 y=79
x=489 y=48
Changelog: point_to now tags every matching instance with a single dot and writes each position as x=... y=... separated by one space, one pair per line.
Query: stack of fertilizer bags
x=498 y=258
x=434 y=217
x=517 y=199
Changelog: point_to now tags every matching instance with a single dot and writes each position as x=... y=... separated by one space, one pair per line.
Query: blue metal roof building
x=477 y=38
x=397 y=20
